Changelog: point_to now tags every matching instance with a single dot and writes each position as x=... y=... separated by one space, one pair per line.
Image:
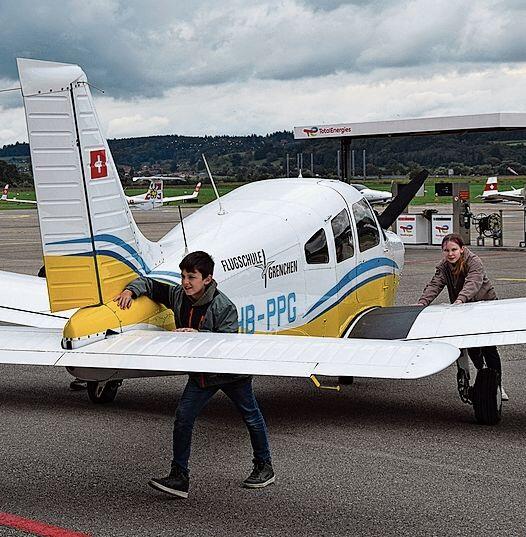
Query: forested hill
x=259 y=157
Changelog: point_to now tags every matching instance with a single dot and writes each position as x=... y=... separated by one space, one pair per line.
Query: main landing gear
x=485 y=395
x=101 y=393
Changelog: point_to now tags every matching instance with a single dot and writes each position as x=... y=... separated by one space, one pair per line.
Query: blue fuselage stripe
x=352 y=275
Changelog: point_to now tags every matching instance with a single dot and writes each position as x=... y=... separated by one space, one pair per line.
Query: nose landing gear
x=103 y=392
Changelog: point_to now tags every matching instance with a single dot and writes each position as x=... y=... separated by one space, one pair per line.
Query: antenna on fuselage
x=182 y=227
x=221 y=210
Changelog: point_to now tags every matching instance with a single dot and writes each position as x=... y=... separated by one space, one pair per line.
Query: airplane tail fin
x=91 y=244
x=5 y=193
x=156 y=189
x=491 y=188
x=153 y=197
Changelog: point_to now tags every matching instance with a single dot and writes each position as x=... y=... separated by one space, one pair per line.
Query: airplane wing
x=255 y=354
x=475 y=324
x=192 y=196
x=16 y=200
x=511 y=196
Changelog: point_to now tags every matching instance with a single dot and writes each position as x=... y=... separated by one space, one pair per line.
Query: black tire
x=487 y=398
x=106 y=394
x=345 y=381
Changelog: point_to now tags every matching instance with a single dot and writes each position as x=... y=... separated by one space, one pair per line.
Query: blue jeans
x=194 y=399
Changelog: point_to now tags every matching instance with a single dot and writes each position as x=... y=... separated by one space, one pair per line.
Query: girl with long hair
x=462 y=272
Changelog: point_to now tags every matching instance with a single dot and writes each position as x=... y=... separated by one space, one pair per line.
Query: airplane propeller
x=400 y=202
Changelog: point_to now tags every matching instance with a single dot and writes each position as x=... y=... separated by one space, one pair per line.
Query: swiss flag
x=98 y=164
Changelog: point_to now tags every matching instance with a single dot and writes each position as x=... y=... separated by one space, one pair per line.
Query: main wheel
x=487 y=397
x=101 y=394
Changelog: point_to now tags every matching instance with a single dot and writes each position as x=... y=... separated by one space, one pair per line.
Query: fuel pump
x=461 y=211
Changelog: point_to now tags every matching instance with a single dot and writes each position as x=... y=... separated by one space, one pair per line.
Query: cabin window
x=343 y=241
x=368 y=234
x=316 y=250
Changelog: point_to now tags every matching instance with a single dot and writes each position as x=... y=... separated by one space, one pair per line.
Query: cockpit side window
x=368 y=234
x=343 y=239
x=316 y=250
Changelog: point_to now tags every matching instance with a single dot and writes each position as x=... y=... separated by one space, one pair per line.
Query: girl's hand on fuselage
x=458 y=302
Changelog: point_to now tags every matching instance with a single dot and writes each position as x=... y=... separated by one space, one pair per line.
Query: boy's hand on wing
x=124 y=299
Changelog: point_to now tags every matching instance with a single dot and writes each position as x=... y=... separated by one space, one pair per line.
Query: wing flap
x=297 y=356
x=30 y=346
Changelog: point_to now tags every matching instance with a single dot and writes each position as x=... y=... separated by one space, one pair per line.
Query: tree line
x=247 y=158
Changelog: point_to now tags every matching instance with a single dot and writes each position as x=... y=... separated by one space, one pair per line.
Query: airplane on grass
x=154 y=196
x=311 y=268
x=5 y=193
x=492 y=194
x=151 y=199
x=373 y=196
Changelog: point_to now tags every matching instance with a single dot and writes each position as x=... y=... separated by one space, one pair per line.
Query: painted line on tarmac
x=510 y=279
x=36 y=528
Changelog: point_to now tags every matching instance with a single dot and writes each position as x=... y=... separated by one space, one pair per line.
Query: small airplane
x=154 y=196
x=373 y=196
x=5 y=193
x=151 y=199
x=492 y=194
x=312 y=269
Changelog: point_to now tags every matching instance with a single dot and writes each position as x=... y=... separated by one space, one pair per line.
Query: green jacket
x=220 y=316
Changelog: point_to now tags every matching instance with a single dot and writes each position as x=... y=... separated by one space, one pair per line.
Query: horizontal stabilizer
x=25 y=302
x=295 y=356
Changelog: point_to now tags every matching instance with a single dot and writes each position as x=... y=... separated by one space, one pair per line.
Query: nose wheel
x=101 y=393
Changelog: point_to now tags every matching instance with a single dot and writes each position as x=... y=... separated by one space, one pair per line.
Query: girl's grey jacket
x=220 y=316
x=470 y=286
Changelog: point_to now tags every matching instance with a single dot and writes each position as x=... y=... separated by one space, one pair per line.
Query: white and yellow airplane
x=151 y=199
x=154 y=197
x=298 y=257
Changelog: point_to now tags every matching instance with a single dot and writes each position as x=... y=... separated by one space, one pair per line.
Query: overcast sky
x=243 y=66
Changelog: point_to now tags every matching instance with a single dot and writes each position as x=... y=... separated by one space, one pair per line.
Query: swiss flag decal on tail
x=98 y=164
x=491 y=184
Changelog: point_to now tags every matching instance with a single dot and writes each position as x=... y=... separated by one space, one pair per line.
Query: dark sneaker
x=176 y=483
x=78 y=385
x=261 y=476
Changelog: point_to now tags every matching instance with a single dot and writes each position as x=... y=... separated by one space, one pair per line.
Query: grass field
x=206 y=194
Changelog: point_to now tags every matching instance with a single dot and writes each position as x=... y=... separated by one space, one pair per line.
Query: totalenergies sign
x=322 y=131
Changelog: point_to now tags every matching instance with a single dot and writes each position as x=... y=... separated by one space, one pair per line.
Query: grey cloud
x=135 y=48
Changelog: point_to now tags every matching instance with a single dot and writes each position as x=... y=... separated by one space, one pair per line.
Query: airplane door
x=319 y=317
x=373 y=268
x=346 y=261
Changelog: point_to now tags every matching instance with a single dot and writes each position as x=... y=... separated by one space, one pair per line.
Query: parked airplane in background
x=5 y=193
x=373 y=196
x=298 y=257
x=492 y=194
x=155 y=197
x=151 y=199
